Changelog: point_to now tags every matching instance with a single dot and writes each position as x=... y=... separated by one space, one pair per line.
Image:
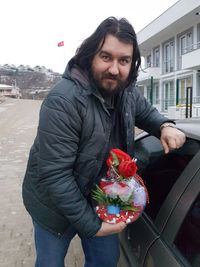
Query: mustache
x=110 y=76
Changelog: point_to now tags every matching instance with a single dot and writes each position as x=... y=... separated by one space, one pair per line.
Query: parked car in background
x=167 y=234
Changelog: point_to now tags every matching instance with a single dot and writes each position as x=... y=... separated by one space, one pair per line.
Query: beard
x=108 y=84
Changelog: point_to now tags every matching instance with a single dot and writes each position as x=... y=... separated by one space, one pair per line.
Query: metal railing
x=189 y=105
x=191 y=48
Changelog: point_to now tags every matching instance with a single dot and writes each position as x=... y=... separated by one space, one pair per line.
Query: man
x=94 y=108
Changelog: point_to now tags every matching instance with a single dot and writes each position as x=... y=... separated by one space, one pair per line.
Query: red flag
x=60 y=44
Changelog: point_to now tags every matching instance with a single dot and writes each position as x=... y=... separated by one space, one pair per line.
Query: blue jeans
x=51 y=251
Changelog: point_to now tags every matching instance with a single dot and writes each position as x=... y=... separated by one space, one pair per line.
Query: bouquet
x=121 y=195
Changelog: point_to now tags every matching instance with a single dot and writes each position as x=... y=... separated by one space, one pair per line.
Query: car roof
x=190 y=126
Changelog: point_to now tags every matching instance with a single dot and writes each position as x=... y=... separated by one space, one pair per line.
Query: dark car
x=167 y=234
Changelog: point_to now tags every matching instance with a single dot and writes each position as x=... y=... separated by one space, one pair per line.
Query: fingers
x=118 y=227
x=165 y=146
x=169 y=144
x=172 y=139
x=108 y=229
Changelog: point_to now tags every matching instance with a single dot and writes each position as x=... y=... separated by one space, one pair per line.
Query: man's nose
x=114 y=68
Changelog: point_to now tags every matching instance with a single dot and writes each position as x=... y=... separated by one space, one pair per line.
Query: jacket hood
x=76 y=74
x=73 y=72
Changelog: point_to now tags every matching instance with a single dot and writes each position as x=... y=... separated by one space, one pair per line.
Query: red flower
x=117 y=154
x=127 y=168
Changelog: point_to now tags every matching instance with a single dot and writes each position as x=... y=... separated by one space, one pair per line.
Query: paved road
x=18 y=124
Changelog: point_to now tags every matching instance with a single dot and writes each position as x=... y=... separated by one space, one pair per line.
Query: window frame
x=176 y=193
x=176 y=246
x=188 y=191
x=168 y=56
x=156 y=57
x=185 y=43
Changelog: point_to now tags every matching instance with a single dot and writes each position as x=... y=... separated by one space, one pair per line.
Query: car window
x=160 y=171
x=188 y=238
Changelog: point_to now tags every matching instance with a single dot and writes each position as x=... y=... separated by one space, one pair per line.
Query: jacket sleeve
x=148 y=117
x=59 y=132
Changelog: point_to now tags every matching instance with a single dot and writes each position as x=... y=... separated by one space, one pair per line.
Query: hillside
x=33 y=82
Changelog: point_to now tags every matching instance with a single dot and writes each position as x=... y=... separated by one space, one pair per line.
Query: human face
x=111 y=65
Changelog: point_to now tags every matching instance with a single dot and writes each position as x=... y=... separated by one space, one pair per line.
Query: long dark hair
x=122 y=30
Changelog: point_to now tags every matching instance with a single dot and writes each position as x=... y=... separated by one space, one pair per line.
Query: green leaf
x=99 y=195
x=129 y=208
x=115 y=159
x=102 y=198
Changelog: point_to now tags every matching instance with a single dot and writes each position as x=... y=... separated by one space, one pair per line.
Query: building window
x=149 y=93
x=185 y=45
x=155 y=94
x=169 y=95
x=156 y=57
x=183 y=84
x=198 y=36
x=168 y=55
x=148 y=61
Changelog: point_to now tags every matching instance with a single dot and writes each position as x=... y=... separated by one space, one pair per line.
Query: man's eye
x=105 y=57
x=125 y=61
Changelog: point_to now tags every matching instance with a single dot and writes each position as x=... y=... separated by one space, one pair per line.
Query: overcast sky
x=31 y=29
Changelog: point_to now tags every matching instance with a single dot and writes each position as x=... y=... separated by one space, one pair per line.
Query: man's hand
x=109 y=229
x=171 y=138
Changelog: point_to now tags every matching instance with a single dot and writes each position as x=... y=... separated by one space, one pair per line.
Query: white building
x=170 y=46
x=9 y=91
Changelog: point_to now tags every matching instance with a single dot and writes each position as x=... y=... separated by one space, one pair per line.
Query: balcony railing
x=166 y=104
x=191 y=48
x=190 y=58
x=147 y=73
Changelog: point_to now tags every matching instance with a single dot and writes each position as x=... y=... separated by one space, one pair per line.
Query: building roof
x=174 y=19
x=6 y=86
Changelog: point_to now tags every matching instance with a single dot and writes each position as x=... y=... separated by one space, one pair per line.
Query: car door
x=178 y=245
x=161 y=174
